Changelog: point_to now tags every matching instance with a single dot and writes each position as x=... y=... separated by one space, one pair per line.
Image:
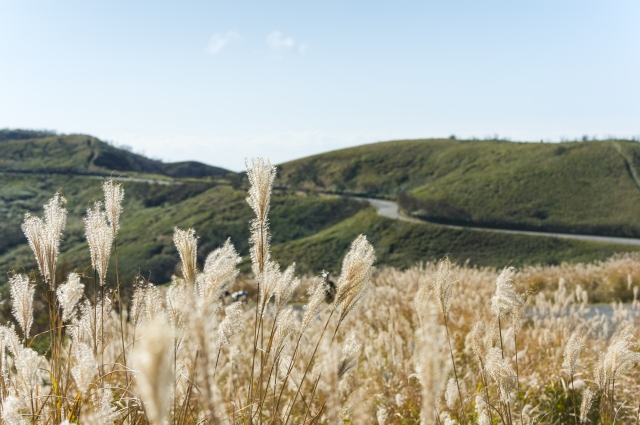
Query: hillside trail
x=138 y=180
x=389 y=209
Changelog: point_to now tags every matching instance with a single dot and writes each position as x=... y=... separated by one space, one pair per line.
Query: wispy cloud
x=219 y=41
x=278 y=43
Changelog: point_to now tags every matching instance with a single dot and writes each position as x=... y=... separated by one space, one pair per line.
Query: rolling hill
x=574 y=187
x=42 y=152
x=311 y=228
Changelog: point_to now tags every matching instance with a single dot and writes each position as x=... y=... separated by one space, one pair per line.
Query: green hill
x=401 y=244
x=151 y=211
x=576 y=187
x=309 y=227
x=40 y=152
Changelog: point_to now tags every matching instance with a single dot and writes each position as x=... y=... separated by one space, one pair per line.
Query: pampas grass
x=438 y=343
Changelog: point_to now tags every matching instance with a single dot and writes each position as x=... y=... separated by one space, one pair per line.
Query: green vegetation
x=436 y=179
x=151 y=211
x=576 y=187
x=401 y=244
x=80 y=154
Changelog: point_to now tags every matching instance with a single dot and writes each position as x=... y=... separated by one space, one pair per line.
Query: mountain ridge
x=41 y=152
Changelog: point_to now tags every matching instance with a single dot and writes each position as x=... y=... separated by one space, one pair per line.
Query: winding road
x=138 y=180
x=390 y=209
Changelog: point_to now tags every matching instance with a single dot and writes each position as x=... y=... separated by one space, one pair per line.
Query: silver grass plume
x=381 y=416
x=22 y=290
x=349 y=356
x=146 y=303
x=55 y=218
x=231 y=324
x=422 y=298
x=285 y=326
x=26 y=361
x=44 y=236
x=445 y=419
x=86 y=368
x=178 y=306
x=261 y=175
x=268 y=283
x=355 y=277
x=431 y=368
x=587 y=399
x=479 y=340
x=501 y=372
x=105 y=412
x=442 y=286
x=93 y=322
x=138 y=302
x=572 y=352
x=100 y=238
x=481 y=411
x=28 y=364
x=505 y=301
x=347 y=408
x=152 y=360
x=153 y=307
x=451 y=394
x=287 y=285
x=35 y=230
x=113 y=196
x=11 y=407
x=4 y=369
x=187 y=244
x=329 y=383
x=10 y=340
x=69 y=293
x=286 y=363
x=316 y=301
x=219 y=271
x=618 y=359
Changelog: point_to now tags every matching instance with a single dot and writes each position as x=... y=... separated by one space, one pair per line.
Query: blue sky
x=222 y=81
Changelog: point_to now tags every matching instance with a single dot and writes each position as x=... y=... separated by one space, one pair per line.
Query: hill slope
x=80 y=154
x=311 y=229
x=151 y=211
x=577 y=187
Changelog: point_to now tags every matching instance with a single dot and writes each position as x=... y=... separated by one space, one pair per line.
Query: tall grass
x=435 y=344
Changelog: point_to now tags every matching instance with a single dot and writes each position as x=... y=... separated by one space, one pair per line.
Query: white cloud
x=220 y=41
x=278 y=43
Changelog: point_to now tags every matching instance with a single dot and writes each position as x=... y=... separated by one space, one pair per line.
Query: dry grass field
x=438 y=343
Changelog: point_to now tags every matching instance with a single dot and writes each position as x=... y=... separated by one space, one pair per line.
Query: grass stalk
x=455 y=371
x=309 y=365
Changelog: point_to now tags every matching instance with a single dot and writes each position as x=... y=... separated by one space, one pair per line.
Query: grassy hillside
x=80 y=154
x=151 y=212
x=310 y=229
x=581 y=187
x=313 y=229
x=401 y=244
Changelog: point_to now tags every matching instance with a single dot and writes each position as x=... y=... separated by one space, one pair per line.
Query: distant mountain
x=577 y=187
x=44 y=152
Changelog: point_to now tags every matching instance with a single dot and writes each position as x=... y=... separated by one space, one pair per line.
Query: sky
x=219 y=82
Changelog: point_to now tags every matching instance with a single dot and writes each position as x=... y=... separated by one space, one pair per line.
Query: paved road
x=138 y=180
x=389 y=209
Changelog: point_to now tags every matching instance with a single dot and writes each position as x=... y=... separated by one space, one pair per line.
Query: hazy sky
x=221 y=81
